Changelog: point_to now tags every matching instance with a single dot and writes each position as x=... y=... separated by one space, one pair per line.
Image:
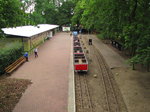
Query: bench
x=116 y=44
x=15 y=65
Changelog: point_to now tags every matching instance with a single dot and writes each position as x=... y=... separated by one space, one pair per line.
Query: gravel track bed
x=97 y=91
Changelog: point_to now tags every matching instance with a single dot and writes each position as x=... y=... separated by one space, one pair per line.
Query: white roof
x=28 y=31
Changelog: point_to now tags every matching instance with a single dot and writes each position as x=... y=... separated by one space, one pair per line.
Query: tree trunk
x=133 y=12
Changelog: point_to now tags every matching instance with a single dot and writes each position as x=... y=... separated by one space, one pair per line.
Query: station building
x=31 y=36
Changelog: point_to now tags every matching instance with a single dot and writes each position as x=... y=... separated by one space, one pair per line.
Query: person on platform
x=26 y=56
x=36 y=52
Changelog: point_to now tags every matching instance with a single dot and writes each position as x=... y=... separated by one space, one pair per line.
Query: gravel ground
x=132 y=87
x=103 y=94
x=11 y=91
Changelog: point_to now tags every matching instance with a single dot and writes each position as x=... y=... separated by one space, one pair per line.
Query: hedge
x=10 y=54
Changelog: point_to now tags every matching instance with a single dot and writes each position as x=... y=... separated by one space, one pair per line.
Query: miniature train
x=80 y=60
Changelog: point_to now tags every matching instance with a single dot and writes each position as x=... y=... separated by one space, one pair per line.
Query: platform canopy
x=28 y=31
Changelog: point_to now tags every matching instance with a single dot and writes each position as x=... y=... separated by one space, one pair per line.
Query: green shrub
x=9 y=54
x=101 y=36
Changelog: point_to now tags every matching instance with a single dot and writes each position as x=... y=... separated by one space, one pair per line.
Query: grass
x=2 y=43
x=11 y=91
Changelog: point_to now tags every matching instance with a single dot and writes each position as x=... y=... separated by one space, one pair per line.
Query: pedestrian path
x=49 y=74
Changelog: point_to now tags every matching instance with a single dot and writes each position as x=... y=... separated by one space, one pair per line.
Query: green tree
x=126 y=21
x=11 y=13
x=53 y=11
x=65 y=12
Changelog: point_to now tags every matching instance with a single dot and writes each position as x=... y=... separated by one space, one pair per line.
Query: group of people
x=35 y=54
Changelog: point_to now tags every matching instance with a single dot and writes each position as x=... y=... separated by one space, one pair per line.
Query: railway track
x=105 y=74
x=111 y=98
x=83 y=99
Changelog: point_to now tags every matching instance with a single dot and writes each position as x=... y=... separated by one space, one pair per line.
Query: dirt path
x=49 y=75
x=133 y=85
x=112 y=58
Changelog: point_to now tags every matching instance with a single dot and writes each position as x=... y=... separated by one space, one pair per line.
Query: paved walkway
x=50 y=76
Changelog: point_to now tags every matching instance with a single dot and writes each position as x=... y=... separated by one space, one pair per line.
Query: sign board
x=65 y=28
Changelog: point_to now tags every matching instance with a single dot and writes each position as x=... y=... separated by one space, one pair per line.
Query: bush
x=101 y=36
x=10 y=54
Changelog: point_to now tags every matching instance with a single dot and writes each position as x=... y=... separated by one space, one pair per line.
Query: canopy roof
x=28 y=31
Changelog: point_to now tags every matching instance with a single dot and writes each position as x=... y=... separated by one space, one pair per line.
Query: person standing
x=80 y=31
x=36 y=52
x=26 y=56
x=90 y=41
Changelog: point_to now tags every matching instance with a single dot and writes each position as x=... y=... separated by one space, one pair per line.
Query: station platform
x=50 y=74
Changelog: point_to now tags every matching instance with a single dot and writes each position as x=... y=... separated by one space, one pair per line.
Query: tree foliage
x=65 y=13
x=53 y=11
x=11 y=13
x=126 y=21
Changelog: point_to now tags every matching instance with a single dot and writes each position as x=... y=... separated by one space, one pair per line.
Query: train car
x=78 y=51
x=80 y=60
x=80 y=65
x=75 y=33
